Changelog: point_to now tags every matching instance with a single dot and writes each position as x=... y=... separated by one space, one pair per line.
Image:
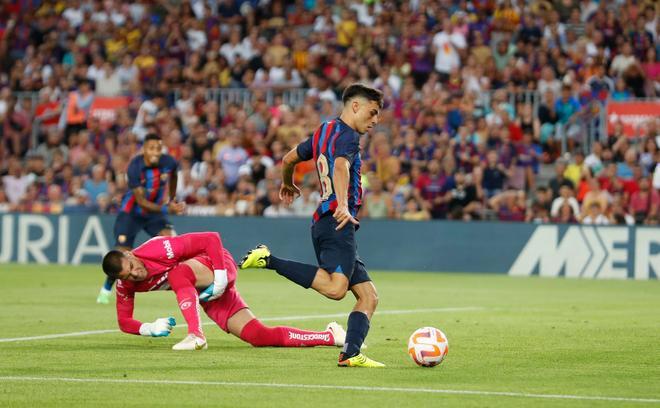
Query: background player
x=335 y=148
x=187 y=264
x=146 y=204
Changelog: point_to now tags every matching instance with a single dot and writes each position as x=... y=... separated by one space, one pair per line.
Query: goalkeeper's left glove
x=217 y=288
x=160 y=328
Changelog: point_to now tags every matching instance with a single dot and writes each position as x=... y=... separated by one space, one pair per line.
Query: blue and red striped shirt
x=331 y=140
x=154 y=180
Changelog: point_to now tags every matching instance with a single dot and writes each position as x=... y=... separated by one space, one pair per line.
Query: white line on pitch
x=265 y=319
x=334 y=387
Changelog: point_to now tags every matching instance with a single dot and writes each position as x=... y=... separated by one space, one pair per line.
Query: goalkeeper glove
x=217 y=288
x=160 y=328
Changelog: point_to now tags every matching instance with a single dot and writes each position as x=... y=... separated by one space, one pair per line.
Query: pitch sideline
x=335 y=387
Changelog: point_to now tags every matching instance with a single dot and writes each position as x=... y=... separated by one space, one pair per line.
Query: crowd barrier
x=516 y=249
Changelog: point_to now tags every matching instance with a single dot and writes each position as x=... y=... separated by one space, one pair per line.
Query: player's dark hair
x=112 y=263
x=152 y=136
x=359 y=90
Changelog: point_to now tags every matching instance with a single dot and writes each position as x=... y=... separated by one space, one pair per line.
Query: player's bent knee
x=369 y=301
x=337 y=293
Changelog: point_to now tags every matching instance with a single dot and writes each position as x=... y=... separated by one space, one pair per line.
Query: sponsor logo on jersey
x=311 y=336
x=160 y=284
x=168 y=249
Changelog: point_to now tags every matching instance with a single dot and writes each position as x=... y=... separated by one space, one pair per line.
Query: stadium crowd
x=459 y=137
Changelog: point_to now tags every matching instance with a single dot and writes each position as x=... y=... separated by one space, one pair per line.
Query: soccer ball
x=428 y=346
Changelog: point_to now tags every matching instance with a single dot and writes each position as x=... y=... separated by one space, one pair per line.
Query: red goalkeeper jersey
x=160 y=255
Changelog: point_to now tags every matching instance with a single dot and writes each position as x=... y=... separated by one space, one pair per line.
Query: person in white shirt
x=96 y=71
x=109 y=84
x=146 y=114
x=74 y=14
x=565 y=196
x=623 y=61
x=234 y=47
x=99 y=16
x=593 y=160
x=127 y=72
x=325 y=23
x=549 y=82
x=197 y=36
x=16 y=182
x=446 y=46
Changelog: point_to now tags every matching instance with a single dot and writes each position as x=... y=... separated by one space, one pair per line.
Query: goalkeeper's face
x=132 y=269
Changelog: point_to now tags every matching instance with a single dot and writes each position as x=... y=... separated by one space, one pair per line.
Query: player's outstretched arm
x=127 y=324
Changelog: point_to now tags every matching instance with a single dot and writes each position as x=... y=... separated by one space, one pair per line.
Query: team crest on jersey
x=163 y=177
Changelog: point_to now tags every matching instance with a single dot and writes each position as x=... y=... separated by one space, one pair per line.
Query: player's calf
x=258 y=335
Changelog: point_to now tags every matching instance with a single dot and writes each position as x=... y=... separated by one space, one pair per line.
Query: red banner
x=632 y=115
x=105 y=109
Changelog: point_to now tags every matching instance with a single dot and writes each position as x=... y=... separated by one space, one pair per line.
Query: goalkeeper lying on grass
x=200 y=271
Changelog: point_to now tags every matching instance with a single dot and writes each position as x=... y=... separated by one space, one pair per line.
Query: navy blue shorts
x=127 y=227
x=336 y=251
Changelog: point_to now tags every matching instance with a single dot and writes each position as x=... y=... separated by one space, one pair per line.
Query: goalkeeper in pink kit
x=201 y=272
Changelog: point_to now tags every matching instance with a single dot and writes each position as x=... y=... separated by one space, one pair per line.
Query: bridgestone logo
x=308 y=337
x=168 y=249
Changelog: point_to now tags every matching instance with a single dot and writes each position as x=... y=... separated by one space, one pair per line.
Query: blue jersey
x=154 y=180
x=331 y=140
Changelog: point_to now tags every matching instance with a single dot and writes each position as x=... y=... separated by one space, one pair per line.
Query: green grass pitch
x=512 y=342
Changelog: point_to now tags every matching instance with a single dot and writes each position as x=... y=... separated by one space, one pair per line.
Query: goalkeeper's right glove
x=160 y=328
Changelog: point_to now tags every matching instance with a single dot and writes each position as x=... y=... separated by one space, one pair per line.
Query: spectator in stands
x=77 y=109
x=644 y=204
x=306 y=204
x=566 y=197
x=575 y=169
x=414 y=211
x=624 y=170
x=276 y=208
x=16 y=182
x=509 y=205
x=431 y=188
x=462 y=199
x=96 y=185
x=565 y=215
x=494 y=176
x=16 y=128
x=376 y=202
x=593 y=161
x=595 y=194
x=594 y=215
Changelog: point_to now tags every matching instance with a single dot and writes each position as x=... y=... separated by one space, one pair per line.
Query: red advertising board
x=632 y=115
x=105 y=109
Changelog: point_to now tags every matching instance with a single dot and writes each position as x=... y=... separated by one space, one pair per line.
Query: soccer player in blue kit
x=146 y=203
x=335 y=148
